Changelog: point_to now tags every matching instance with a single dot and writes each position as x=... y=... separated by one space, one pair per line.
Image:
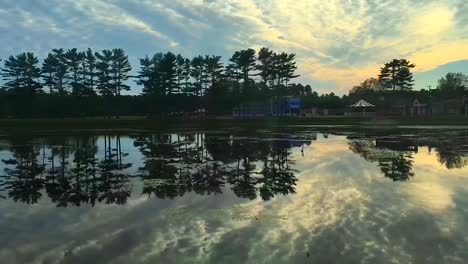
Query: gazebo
x=363 y=105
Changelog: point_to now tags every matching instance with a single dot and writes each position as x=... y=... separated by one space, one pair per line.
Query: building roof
x=362 y=103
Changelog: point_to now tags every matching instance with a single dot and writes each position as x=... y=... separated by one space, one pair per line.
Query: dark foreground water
x=285 y=196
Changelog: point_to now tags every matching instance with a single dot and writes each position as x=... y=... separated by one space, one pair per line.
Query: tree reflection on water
x=78 y=170
x=394 y=155
x=90 y=170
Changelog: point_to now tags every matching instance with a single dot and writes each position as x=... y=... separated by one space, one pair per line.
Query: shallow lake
x=289 y=195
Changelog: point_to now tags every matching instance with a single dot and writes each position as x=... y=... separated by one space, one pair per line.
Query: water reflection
x=72 y=171
x=89 y=169
x=206 y=163
x=394 y=154
x=199 y=198
x=394 y=162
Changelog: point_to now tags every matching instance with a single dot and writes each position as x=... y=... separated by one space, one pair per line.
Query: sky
x=338 y=43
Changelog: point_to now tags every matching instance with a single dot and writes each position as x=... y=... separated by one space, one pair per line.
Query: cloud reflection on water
x=343 y=210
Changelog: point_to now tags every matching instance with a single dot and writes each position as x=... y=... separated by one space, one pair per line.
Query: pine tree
x=168 y=71
x=89 y=72
x=103 y=66
x=158 y=87
x=22 y=74
x=244 y=61
x=73 y=59
x=265 y=66
x=198 y=74
x=61 y=71
x=187 y=84
x=120 y=68
x=49 y=71
x=396 y=75
x=288 y=68
x=214 y=68
x=241 y=67
x=144 y=76
x=183 y=74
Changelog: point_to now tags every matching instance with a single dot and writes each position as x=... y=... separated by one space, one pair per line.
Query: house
x=419 y=109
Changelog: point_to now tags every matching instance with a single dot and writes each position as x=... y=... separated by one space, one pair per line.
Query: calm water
x=284 y=196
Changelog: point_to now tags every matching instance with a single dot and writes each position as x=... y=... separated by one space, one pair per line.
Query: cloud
x=343 y=41
x=338 y=42
x=111 y=14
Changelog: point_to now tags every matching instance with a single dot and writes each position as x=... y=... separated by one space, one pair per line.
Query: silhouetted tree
x=89 y=72
x=168 y=72
x=105 y=86
x=242 y=65
x=104 y=71
x=49 y=71
x=120 y=68
x=61 y=70
x=368 y=85
x=214 y=69
x=183 y=75
x=284 y=68
x=396 y=75
x=265 y=66
x=452 y=84
x=22 y=74
x=146 y=76
x=199 y=75
x=74 y=61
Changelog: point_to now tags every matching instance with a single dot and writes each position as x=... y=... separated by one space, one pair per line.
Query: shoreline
x=139 y=123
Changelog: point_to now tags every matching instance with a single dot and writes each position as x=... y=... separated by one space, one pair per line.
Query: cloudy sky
x=338 y=42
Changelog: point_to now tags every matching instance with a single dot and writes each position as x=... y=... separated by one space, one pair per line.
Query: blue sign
x=294 y=103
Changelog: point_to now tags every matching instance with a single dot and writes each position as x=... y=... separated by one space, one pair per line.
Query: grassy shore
x=142 y=123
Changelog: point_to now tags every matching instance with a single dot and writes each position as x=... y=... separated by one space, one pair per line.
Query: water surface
x=293 y=195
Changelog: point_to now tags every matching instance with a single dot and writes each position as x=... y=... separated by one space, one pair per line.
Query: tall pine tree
x=74 y=61
x=61 y=71
x=49 y=72
x=396 y=75
x=104 y=70
x=89 y=72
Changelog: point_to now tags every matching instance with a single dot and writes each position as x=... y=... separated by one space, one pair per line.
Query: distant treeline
x=88 y=83
x=72 y=83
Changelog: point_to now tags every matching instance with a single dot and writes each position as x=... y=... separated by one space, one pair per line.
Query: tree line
x=95 y=81
x=71 y=72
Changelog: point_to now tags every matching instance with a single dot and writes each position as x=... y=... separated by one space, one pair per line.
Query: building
x=409 y=107
x=284 y=106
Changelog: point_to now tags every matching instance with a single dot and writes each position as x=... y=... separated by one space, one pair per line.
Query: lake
x=288 y=195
